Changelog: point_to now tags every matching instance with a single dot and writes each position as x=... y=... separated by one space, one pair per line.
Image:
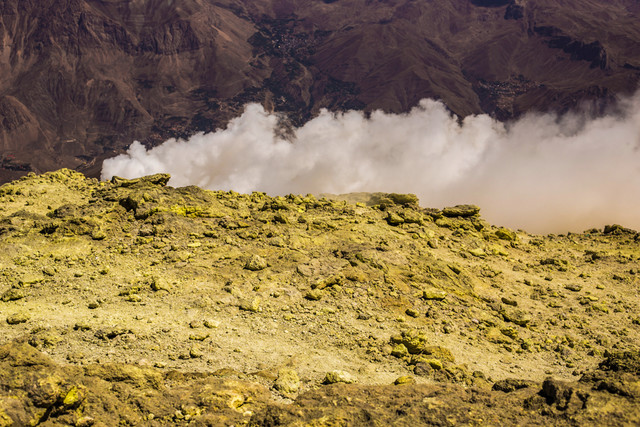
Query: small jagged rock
x=314 y=295
x=17 y=318
x=463 y=211
x=519 y=317
x=434 y=294
x=400 y=351
x=506 y=234
x=252 y=305
x=404 y=380
x=256 y=263
x=337 y=376
x=12 y=295
x=394 y=219
x=288 y=382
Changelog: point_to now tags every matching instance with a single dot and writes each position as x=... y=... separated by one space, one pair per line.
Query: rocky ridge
x=181 y=305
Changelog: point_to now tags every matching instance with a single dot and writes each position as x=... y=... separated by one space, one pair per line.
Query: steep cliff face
x=81 y=79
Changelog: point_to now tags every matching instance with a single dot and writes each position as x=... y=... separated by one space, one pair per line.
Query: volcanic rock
x=551 y=327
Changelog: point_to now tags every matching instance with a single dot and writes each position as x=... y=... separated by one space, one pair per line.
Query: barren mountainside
x=134 y=303
x=81 y=79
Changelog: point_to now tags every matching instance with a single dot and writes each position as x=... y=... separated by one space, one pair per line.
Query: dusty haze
x=543 y=173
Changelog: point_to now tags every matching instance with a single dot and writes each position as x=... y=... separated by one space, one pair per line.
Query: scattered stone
x=400 y=351
x=334 y=377
x=616 y=229
x=49 y=271
x=256 y=263
x=195 y=352
x=394 y=219
x=93 y=305
x=81 y=326
x=17 y=318
x=433 y=213
x=336 y=280
x=252 y=306
x=404 y=380
x=288 y=382
x=423 y=370
x=366 y=268
x=158 y=284
x=304 y=270
x=499 y=250
x=510 y=332
x=600 y=307
x=556 y=392
x=85 y=421
x=506 y=234
x=45 y=338
x=434 y=294
x=463 y=211
x=435 y=364
x=133 y=298
x=417 y=343
x=12 y=295
x=496 y=336
x=111 y=333
x=622 y=361
x=74 y=397
x=211 y=324
x=199 y=336
x=403 y=199
x=160 y=180
x=281 y=218
x=98 y=234
x=411 y=312
x=509 y=301
x=456 y=269
x=314 y=295
x=195 y=324
x=519 y=317
x=478 y=252
x=560 y=263
x=412 y=217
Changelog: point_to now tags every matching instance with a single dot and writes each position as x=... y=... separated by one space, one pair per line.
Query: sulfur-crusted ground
x=191 y=306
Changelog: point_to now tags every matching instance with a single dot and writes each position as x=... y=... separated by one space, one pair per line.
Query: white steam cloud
x=543 y=173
